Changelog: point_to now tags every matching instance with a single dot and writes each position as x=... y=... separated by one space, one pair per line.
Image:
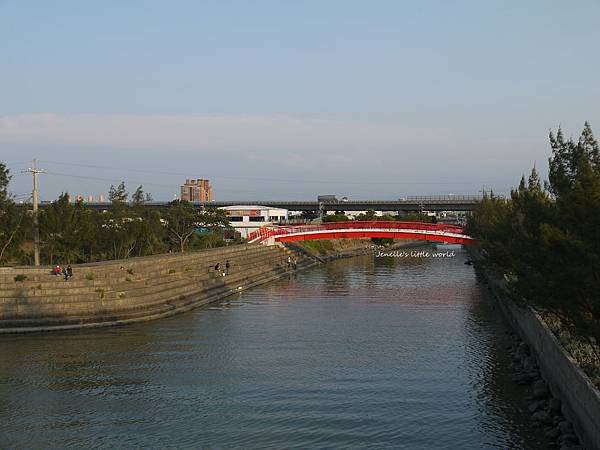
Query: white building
x=247 y=219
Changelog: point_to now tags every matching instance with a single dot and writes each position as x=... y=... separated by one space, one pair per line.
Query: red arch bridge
x=436 y=232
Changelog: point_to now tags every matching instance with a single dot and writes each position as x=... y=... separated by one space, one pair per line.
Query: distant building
x=196 y=191
x=246 y=219
x=101 y=198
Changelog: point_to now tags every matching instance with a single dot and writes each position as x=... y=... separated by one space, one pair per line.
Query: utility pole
x=36 y=224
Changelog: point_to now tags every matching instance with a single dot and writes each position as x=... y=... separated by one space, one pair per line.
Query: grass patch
x=128 y=279
x=188 y=269
x=91 y=276
x=20 y=277
x=321 y=246
x=171 y=271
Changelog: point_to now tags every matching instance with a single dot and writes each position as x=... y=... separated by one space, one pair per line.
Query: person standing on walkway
x=69 y=271
x=289 y=262
x=295 y=264
x=227 y=266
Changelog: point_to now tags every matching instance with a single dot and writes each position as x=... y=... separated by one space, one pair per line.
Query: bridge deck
x=363 y=229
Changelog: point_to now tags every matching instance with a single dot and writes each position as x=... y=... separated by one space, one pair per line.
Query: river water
x=365 y=353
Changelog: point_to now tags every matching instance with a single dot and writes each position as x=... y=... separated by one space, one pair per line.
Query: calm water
x=360 y=353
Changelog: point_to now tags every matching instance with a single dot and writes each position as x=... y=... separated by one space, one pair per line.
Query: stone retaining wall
x=579 y=397
x=137 y=289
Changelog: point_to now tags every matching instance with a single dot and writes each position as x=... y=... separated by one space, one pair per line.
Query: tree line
x=70 y=232
x=370 y=214
x=546 y=237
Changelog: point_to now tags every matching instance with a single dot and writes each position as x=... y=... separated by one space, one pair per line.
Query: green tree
x=547 y=238
x=336 y=217
x=4 y=180
x=138 y=197
x=181 y=219
x=118 y=195
x=13 y=220
x=65 y=230
x=217 y=222
x=367 y=215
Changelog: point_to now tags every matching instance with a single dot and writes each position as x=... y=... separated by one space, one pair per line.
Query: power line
x=275 y=180
x=16 y=163
x=112 y=180
x=132 y=182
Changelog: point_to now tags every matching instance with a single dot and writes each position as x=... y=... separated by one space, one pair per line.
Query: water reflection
x=359 y=353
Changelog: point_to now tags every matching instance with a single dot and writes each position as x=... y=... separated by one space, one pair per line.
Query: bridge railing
x=266 y=232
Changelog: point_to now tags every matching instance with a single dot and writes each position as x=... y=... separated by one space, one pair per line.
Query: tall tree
x=182 y=219
x=549 y=242
x=138 y=197
x=12 y=219
x=4 y=180
x=65 y=230
x=118 y=195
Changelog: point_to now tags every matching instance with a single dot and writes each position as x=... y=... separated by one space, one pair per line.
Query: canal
x=395 y=352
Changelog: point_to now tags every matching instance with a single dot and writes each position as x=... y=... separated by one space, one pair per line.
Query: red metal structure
x=437 y=232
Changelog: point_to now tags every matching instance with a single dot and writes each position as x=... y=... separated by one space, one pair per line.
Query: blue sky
x=289 y=99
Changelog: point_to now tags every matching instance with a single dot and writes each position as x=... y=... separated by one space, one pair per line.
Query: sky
x=292 y=99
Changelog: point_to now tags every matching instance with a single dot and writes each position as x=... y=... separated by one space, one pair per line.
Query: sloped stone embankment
x=133 y=290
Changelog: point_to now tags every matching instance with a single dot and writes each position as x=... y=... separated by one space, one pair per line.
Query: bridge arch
x=363 y=229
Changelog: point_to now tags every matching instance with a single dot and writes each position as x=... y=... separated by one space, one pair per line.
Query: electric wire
x=266 y=179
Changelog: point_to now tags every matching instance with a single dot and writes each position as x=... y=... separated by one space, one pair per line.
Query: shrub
x=20 y=277
x=90 y=276
x=171 y=271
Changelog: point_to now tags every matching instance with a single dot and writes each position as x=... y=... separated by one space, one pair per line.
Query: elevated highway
x=408 y=204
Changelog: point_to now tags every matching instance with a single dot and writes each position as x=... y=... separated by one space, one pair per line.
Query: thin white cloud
x=201 y=132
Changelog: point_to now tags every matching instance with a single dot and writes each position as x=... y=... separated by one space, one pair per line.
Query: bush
x=90 y=276
x=20 y=277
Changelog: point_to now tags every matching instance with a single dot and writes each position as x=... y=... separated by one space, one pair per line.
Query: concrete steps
x=131 y=282
x=162 y=308
x=136 y=289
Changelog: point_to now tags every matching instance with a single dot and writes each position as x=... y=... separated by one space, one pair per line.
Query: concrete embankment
x=579 y=398
x=133 y=290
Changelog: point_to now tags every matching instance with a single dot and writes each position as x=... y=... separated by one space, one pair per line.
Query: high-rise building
x=196 y=191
